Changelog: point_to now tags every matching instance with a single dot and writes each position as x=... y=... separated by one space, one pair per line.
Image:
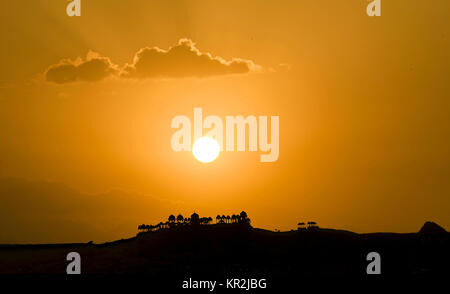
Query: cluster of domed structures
x=195 y=219
x=307 y=226
x=235 y=218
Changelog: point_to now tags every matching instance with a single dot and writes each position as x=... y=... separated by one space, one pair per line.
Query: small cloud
x=93 y=68
x=284 y=67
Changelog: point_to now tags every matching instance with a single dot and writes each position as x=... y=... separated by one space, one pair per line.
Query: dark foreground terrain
x=239 y=251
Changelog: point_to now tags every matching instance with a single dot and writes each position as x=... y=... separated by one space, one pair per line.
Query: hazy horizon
x=47 y=211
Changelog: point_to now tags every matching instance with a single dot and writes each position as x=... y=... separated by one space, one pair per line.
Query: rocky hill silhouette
x=432 y=228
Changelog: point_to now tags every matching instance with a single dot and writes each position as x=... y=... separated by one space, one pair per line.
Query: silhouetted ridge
x=179 y=248
x=432 y=228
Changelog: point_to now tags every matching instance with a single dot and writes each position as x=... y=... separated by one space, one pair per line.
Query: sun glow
x=206 y=149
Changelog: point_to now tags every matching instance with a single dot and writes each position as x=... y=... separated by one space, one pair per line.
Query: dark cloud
x=93 y=68
x=45 y=212
x=181 y=60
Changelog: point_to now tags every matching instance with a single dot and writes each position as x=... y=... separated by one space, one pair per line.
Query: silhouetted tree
x=180 y=218
x=205 y=220
x=171 y=218
x=218 y=218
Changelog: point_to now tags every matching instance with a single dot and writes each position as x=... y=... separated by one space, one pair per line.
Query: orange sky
x=363 y=105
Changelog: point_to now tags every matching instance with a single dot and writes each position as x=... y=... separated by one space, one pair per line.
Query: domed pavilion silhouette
x=195 y=219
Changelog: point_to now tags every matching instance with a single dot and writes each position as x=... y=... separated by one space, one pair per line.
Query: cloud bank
x=179 y=61
x=45 y=212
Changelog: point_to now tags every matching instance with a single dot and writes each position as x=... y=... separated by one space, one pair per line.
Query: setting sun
x=206 y=149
